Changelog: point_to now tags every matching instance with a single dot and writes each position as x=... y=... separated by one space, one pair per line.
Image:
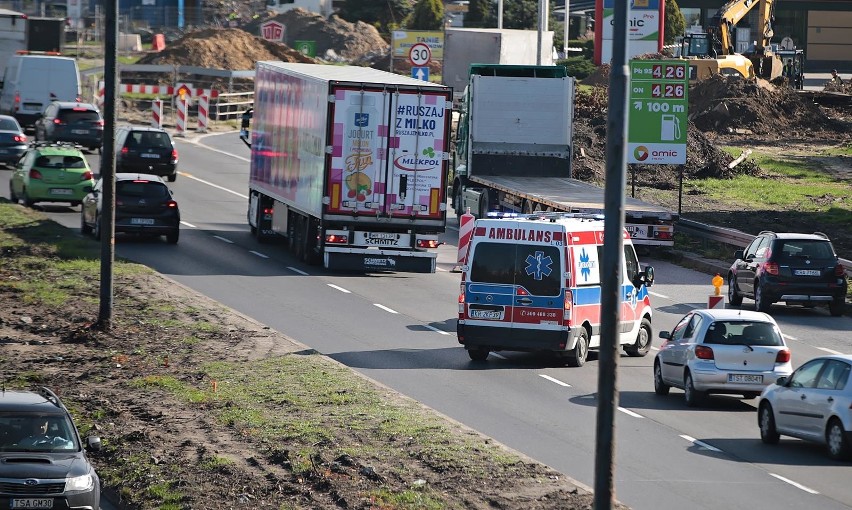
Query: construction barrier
x=159 y=42
x=465 y=234
x=157 y=113
x=136 y=88
x=203 y=113
x=180 y=124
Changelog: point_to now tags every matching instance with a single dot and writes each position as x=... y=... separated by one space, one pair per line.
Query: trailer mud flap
x=375 y=262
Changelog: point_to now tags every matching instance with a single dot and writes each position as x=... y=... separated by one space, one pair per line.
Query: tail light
x=171 y=204
x=662 y=235
x=771 y=268
x=87 y=175
x=568 y=308
x=783 y=356
x=427 y=243
x=461 y=299
x=35 y=174
x=704 y=352
x=99 y=123
x=336 y=239
x=520 y=291
x=174 y=156
x=125 y=150
x=23 y=139
x=58 y=122
x=839 y=270
x=17 y=101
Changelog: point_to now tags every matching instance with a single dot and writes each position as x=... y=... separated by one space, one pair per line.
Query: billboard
x=644 y=28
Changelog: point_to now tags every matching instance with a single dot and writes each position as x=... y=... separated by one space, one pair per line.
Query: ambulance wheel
x=643 y=341
x=577 y=355
x=478 y=354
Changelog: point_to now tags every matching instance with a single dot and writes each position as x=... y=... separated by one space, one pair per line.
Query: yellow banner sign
x=403 y=40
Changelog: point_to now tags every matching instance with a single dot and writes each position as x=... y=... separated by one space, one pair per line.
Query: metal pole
x=107 y=171
x=500 y=14
x=567 y=29
x=542 y=20
x=611 y=265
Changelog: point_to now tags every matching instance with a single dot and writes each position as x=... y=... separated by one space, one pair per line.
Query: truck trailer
x=349 y=165
x=513 y=150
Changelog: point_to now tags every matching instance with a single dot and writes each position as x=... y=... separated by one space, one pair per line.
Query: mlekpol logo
x=362 y=120
x=538 y=265
x=641 y=153
x=410 y=163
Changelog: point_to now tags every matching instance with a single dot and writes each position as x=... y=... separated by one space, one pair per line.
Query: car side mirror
x=645 y=278
x=665 y=335
x=93 y=443
x=739 y=254
x=782 y=381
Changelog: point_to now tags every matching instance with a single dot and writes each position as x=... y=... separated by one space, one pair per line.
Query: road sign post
x=657 y=127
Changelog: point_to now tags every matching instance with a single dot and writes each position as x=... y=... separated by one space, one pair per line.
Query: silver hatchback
x=721 y=351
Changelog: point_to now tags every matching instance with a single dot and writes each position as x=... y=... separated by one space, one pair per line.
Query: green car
x=51 y=173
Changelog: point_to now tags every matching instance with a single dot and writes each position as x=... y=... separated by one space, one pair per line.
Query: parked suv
x=800 y=269
x=147 y=150
x=66 y=121
x=43 y=461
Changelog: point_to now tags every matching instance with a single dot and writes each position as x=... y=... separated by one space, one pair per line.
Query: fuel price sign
x=657 y=112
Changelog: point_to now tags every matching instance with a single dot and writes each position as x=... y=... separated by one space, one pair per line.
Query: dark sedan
x=79 y=123
x=13 y=141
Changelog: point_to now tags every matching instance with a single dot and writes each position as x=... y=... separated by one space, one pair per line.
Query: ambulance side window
x=632 y=262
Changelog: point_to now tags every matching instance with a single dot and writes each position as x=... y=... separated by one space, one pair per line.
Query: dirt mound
x=334 y=37
x=223 y=48
x=724 y=105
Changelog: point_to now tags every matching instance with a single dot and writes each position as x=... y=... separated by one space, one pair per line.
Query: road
x=399 y=330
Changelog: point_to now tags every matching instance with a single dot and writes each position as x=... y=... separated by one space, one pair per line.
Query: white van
x=533 y=283
x=31 y=82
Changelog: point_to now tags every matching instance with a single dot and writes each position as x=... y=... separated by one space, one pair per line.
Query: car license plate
x=141 y=221
x=637 y=231
x=80 y=131
x=33 y=503
x=152 y=156
x=60 y=191
x=806 y=272
x=745 y=378
x=494 y=315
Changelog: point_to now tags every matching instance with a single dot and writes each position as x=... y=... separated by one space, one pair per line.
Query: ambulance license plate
x=745 y=378
x=492 y=315
x=32 y=503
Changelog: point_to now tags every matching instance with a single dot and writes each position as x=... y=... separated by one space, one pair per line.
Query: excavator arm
x=726 y=18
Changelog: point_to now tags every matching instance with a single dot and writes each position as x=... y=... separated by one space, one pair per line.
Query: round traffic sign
x=420 y=54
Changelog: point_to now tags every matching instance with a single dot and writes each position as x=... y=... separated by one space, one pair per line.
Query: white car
x=721 y=351
x=814 y=404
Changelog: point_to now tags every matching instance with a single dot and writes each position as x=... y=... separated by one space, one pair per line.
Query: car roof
x=145 y=128
x=75 y=104
x=128 y=176
x=59 y=150
x=27 y=401
x=842 y=357
x=800 y=235
x=733 y=314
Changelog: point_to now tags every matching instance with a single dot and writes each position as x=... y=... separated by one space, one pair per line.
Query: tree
x=675 y=22
x=477 y=13
x=384 y=14
x=427 y=15
x=521 y=14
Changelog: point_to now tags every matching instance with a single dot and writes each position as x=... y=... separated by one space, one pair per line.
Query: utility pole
x=106 y=224
x=612 y=262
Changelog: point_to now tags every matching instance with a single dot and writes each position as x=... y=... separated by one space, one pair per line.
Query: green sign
x=657 y=111
x=307 y=48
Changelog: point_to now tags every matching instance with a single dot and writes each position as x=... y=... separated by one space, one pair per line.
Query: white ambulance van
x=533 y=283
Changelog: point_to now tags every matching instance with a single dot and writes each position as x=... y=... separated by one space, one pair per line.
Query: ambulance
x=533 y=283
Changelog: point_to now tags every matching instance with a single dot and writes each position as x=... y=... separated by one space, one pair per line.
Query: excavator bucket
x=768 y=67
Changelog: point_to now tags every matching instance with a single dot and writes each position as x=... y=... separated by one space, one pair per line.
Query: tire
x=84 y=228
x=12 y=196
x=172 y=177
x=484 y=205
x=837 y=307
x=310 y=255
x=642 y=345
x=734 y=297
x=766 y=423
x=528 y=207
x=75 y=203
x=577 y=356
x=172 y=237
x=478 y=354
x=457 y=201
x=692 y=396
x=837 y=441
x=96 y=230
x=660 y=387
x=751 y=395
x=761 y=302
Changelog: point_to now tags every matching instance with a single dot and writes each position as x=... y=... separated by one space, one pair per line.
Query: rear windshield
x=149 y=139
x=71 y=116
x=9 y=125
x=55 y=161
x=743 y=333
x=536 y=268
x=791 y=249
x=141 y=189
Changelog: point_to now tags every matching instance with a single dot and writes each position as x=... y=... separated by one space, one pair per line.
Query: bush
x=579 y=67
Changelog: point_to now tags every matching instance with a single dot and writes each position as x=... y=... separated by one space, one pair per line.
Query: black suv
x=43 y=462
x=146 y=150
x=65 y=121
x=800 y=269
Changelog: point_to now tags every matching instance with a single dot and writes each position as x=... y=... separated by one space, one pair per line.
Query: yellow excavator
x=714 y=51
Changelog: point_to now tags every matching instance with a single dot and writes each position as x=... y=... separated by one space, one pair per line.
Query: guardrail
x=727 y=236
x=231 y=105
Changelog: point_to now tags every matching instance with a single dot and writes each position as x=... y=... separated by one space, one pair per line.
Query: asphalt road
x=399 y=330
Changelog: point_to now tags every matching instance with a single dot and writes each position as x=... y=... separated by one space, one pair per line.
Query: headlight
x=79 y=483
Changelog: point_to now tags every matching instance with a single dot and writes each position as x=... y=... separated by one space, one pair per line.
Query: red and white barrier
x=180 y=124
x=157 y=113
x=135 y=88
x=203 y=113
x=466 y=221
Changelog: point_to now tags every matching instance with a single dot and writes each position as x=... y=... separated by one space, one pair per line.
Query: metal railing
x=231 y=105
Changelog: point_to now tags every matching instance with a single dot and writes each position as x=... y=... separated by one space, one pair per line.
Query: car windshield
x=141 y=189
x=149 y=139
x=28 y=432
x=59 y=161
x=71 y=116
x=743 y=333
x=9 y=125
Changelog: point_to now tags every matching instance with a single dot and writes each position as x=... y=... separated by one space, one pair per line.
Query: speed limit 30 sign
x=420 y=54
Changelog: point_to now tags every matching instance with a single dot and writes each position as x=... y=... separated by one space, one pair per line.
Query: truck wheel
x=310 y=255
x=528 y=207
x=643 y=341
x=484 y=206
x=457 y=201
x=577 y=355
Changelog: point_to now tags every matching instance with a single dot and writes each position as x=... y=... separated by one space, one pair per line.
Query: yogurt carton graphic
x=360 y=142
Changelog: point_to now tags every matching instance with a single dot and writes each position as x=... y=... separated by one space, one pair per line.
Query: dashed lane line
x=794 y=484
x=224 y=239
x=296 y=270
x=554 y=380
x=701 y=444
x=341 y=289
x=261 y=255
x=436 y=330
x=383 y=307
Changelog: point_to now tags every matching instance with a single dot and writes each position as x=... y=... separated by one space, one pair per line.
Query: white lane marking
x=794 y=484
x=789 y=337
x=341 y=289
x=190 y=225
x=190 y=176
x=195 y=142
x=655 y=348
x=701 y=444
x=658 y=295
x=383 y=307
x=442 y=269
x=830 y=351
x=554 y=380
x=498 y=355
x=628 y=412
x=297 y=271
x=223 y=239
x=436 y=330
x=261 y=255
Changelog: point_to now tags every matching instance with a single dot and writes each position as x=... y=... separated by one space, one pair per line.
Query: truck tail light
x=663 y=235
x=568 y=308
x=428 y=243
x=783 y=356
x=461 y=299
x=704 y=352
x=336 y=239
x=35 y=174
x=771 y=268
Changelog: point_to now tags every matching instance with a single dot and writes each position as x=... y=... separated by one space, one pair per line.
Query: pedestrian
x=835 y=78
